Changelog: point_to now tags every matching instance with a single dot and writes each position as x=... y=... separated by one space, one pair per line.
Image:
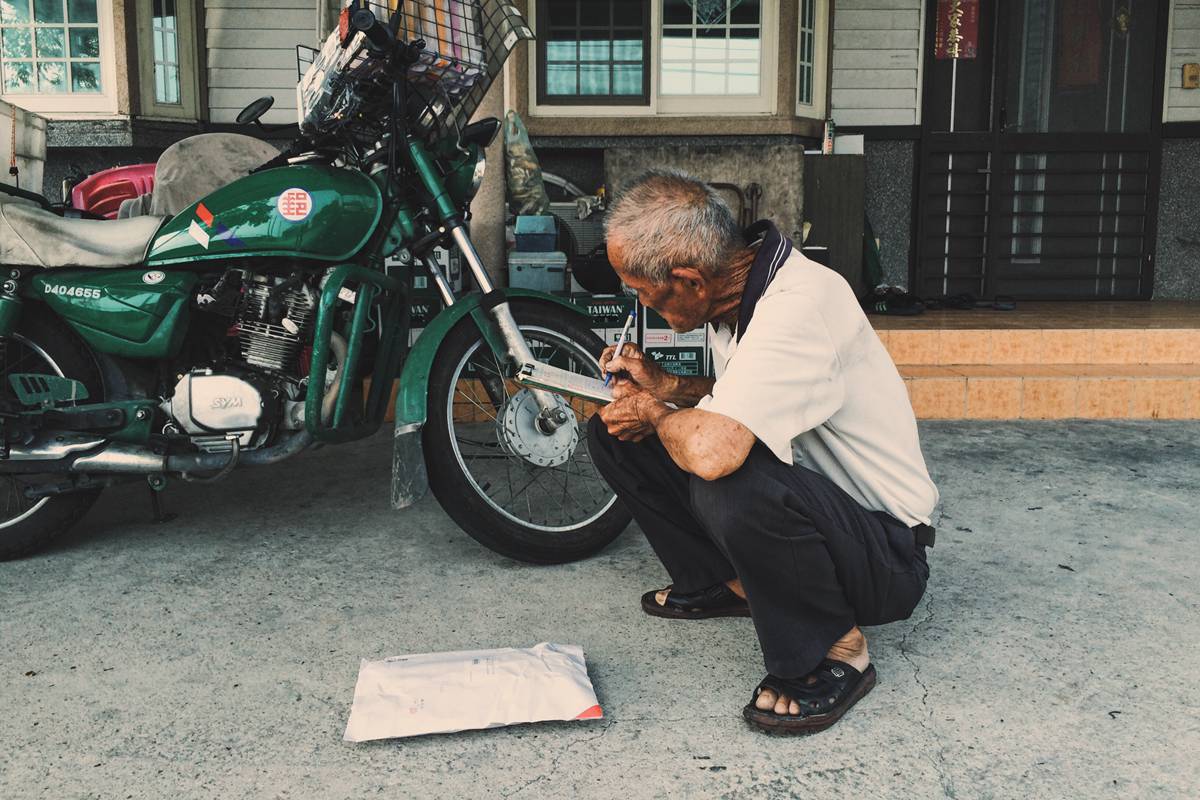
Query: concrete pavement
x=1053 y=657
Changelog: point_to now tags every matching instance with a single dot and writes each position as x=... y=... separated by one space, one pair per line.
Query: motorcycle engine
x=271 y=321
x=257 y=384
x=212 y=408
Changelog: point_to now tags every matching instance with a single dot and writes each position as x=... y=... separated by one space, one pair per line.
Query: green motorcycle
x=263 y=320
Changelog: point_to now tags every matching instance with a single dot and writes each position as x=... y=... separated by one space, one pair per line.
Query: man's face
x=684 y=301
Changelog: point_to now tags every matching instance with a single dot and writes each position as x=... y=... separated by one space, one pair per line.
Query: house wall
x=891 y=171
x=777 y=169
x=876 y=71
x=252 y=52
x=1177 y=250
x=1182 y=105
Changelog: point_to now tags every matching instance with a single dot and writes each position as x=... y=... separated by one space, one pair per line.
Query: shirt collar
x=773 y=249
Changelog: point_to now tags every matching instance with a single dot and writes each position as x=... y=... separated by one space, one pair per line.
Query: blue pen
x=621 y=344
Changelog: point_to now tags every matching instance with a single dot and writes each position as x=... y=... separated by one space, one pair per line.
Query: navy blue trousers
x=813 y=562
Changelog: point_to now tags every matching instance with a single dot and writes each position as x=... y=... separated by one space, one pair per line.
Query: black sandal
x=715 y=601
x=837 y=686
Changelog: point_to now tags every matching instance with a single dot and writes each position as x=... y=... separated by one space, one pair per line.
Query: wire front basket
x=466 y=43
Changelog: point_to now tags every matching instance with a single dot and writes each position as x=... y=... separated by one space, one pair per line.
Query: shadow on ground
x=1053 y=657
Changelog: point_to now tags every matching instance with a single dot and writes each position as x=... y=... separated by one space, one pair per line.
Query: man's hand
x=633 y=365
x=634 y=412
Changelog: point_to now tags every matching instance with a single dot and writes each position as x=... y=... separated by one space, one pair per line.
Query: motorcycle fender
x=413 y=394
x=409 y=478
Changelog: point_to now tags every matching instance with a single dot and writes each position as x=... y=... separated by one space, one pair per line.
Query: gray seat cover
x=188 y=171
x=30 y=236
x=195 y=167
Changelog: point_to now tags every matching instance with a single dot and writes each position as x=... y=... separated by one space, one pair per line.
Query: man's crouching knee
x=720 y=504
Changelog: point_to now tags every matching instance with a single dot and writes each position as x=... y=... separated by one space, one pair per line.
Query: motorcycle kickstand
x=156 y=485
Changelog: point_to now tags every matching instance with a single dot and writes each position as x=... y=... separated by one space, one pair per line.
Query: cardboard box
x=607 y=314
x=681 y=354
x=678 y=353
x=687 y=361
x=423 y=308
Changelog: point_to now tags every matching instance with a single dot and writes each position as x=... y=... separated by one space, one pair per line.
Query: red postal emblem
x=294 y=204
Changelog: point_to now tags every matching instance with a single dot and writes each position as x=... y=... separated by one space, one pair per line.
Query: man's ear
x=690 y=277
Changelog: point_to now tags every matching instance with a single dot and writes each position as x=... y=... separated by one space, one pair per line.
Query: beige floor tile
x=1171 y=346
x=1017 y=347
x=1112 y=346
x=1065 y=346
x=989 y=370
x=964 y=346
x=928 y=371
x=913 y=347
x=938 y=398
x=993 y=398
x=1105 y=398
x=1049 y=398
x=1162 y=398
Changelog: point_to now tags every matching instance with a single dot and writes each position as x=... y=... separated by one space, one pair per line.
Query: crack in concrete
x=549 y=773
x=939 y=758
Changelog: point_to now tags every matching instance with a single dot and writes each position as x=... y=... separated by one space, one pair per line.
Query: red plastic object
x=104 y=192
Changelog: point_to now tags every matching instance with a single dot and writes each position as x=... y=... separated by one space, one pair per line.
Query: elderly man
x=791 y=488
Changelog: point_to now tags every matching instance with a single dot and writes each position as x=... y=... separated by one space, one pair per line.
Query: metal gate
x=1039 y=157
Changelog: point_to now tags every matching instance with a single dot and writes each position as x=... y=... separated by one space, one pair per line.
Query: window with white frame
x=706 y=57
x=711 y=47
x=811 y=57
x=56 y=55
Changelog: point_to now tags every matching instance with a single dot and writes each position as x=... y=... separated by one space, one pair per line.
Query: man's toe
x=765 y=700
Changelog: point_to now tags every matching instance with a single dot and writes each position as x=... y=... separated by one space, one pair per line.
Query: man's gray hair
x=666 y=219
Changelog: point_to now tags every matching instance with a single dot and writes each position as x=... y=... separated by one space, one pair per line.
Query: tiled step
x=949 y=346
x=1054 y=391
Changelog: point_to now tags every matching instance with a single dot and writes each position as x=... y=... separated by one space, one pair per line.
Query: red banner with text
x=957 y=32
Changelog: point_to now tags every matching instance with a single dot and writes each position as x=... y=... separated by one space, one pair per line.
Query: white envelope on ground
x=470 y=689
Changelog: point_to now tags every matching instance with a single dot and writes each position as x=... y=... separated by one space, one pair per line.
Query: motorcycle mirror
x=254 y=111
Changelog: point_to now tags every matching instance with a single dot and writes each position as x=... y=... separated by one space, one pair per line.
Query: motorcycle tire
x=24 y=531
x=462 y=497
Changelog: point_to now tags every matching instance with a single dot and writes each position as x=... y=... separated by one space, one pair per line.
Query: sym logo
x=73 y=291
x=221 y=403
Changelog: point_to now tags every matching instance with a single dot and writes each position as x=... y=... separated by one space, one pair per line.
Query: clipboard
x=545 y=376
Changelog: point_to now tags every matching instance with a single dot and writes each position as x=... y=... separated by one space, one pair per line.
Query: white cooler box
x=546 y=272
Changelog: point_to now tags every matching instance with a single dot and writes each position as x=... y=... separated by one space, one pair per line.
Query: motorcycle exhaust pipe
x=64 y=454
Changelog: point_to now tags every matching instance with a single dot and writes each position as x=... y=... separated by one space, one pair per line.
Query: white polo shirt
x=812 y=381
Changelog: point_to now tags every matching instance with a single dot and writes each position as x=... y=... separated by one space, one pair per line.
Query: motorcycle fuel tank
x=305 y=211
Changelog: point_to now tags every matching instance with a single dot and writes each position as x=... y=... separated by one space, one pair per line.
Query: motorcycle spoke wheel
x=561 y=497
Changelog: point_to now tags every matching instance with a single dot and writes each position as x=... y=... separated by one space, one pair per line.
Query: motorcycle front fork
x=551 y=413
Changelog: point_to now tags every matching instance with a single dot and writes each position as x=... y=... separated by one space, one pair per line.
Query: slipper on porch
x=715 y=601
x=835 y=687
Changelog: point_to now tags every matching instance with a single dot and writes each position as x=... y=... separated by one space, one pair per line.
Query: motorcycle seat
x=33 y=237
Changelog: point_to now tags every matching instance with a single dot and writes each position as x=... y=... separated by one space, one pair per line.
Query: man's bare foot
x=735 y=586
x=850 y=649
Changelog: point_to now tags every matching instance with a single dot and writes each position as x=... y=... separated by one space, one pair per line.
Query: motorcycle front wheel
x=525 y=495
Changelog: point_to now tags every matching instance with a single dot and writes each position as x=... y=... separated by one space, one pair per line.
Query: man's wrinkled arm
x=686 y=392
x=704 y=443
